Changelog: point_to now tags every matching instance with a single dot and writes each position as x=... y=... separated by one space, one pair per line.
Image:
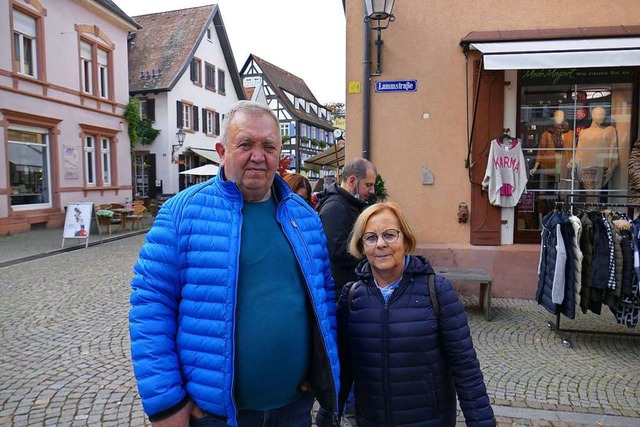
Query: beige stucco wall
x=423 y=44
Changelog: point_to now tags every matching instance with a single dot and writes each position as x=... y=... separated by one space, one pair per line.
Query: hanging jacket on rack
x=612 y=293
x=577 y=253
x=601 y=260
x=586 y=246
x=556 y=264
x=628 y=308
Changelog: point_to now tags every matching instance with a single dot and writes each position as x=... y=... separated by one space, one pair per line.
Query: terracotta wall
x=429 y=127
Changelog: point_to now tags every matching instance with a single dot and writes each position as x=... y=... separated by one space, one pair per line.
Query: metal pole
x=366 y=92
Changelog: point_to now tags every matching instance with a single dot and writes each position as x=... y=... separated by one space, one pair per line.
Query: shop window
x=576 y=127
x=29 y=166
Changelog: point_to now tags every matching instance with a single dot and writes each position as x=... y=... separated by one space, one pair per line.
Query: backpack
x=432 y=294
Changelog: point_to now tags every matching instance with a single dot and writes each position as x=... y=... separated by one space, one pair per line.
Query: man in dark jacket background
x=339 y=207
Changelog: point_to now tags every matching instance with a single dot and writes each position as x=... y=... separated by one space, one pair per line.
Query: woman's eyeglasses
x=390 y=236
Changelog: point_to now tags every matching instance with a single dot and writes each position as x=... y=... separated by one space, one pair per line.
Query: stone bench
x=471 y=275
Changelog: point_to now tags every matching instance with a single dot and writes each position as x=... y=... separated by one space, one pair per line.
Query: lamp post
x=175 y=147
x=379 y=14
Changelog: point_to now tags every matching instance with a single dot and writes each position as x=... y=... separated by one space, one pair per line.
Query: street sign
x=396 y=85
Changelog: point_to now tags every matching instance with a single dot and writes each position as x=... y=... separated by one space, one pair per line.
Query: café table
x=123 y=212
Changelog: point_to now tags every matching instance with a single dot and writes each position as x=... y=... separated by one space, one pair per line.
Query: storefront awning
x=207 y=154
x=205 y=170
x=543 y=48
x=543 y=54
x=332 y=157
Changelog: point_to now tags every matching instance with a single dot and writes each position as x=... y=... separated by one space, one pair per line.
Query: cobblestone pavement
x=64 y=351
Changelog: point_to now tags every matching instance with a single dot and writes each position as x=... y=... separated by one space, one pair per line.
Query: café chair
x=137 y=216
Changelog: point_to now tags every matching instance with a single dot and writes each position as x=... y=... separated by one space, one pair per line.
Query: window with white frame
x=95 y=69
x=86 y=55
x=24 y=44
x=90 y=161
x=209 y=33
x=284 y=129
x=186 y=116
x=29 y=165
x=103 y=73
x=210 y=122
x=105 y=152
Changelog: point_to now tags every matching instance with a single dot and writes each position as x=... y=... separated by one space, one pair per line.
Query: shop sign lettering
x=564 y=76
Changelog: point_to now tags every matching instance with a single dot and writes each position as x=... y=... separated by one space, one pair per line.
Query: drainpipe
x=366 y=93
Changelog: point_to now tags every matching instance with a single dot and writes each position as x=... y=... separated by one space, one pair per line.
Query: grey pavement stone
x=65 y=350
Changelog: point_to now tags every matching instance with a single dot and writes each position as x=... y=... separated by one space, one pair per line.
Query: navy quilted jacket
x=182 y=319
x=406 y=365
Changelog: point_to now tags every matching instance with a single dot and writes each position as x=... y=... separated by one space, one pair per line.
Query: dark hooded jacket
x=407 y=365
x=338 y=212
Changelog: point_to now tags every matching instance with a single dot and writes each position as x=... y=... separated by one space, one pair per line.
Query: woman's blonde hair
x=356 y=247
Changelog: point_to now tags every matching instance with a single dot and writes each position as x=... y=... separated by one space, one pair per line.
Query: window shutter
x=179 y=115
x=204 y=120
x=151 y=110
x=195 y=118
x=216 y=124
x=485 y=218
x=193 y=70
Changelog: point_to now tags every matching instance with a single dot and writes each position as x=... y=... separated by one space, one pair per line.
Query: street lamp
x=378 y=14
x=174 y=148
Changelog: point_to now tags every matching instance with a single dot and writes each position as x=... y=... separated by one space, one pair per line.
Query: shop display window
x=29 y=168
x=575 y=126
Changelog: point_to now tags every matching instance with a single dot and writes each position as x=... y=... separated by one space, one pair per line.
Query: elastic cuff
x=170 y=411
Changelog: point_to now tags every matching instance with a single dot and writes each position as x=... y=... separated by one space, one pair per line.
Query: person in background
x=300 y=185
x=232 y=318
x=406 y=351
x=338 y=207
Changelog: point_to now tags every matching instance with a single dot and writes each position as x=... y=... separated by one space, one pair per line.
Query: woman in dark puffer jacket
x=406 y=364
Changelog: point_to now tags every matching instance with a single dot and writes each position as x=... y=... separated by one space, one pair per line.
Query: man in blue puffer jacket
x=232 y=319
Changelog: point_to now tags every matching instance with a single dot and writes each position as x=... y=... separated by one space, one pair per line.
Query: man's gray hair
x=249 y=108
x=357 y=167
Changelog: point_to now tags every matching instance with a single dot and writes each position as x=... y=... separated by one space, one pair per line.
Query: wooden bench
x=471 y=275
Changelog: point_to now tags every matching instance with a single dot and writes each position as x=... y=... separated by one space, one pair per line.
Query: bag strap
x=433 y=295
x=352 y=290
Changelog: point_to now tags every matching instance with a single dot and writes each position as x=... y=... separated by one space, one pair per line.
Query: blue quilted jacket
x=182 y=318
x=406 y=365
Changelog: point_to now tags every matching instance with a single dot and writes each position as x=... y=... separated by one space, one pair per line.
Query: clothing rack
x=567 y=342
x=556 y=326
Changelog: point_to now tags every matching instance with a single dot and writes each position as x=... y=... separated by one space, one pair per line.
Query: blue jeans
x=296 y=414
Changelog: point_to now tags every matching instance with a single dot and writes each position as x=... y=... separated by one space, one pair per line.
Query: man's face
x=251 y=158
x=363 y=188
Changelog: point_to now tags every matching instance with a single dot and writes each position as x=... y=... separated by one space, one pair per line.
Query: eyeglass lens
x=390 y=236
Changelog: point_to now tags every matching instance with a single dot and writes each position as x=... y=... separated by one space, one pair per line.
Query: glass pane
x=28 y=172
x=575 y=127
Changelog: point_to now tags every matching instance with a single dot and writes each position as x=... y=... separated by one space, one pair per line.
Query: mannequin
x=555 y=148
x=597 y=153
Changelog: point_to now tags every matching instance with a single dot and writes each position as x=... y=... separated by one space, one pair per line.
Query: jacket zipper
x=335 y=415
x=385 y=361
x=233 y=322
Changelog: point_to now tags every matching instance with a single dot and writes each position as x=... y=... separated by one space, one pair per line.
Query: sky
x=304 y=37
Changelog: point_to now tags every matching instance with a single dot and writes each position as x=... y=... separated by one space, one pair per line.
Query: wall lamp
x=175 y=147
x=378 y=14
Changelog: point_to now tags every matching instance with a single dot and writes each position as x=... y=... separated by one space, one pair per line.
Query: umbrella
x=206 y=170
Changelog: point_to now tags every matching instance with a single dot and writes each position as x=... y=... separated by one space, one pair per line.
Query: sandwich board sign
x=77 y=222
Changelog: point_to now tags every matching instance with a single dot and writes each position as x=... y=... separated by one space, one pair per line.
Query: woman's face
x=386 y=259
